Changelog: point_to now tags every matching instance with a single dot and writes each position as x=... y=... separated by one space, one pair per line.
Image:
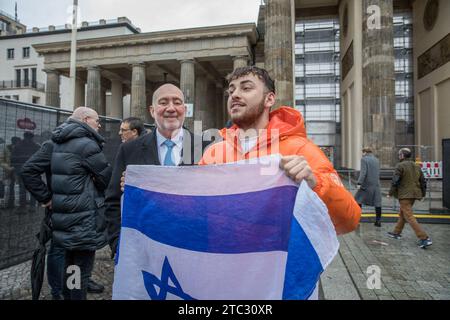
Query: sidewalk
x=407 y=272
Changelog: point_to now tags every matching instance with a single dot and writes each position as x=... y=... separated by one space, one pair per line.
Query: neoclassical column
x=240 y=61
x=116 y=110
x=52 y=97
x=80 y=93
x=187 y=86
x=102 y=111
x=220 y=121
x=211 y=106
x=94 y=88
x=201 y=101
x=138 y=91
x=278 y=49
x=378 y=80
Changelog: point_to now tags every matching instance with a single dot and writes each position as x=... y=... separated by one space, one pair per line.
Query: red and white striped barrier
x=432 y=169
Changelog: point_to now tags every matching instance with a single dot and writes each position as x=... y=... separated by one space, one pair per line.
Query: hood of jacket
x=283 y=122
x=73 y=129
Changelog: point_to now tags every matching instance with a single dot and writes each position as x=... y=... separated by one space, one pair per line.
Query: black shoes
x=377 y=224
x=94 y=287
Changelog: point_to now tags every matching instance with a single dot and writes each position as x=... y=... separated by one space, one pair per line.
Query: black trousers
x=377 y=212
x=78 y=269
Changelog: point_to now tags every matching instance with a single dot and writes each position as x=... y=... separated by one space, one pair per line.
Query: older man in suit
x=369 y=192
x=168 y=144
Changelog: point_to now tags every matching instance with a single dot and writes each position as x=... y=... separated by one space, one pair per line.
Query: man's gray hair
x=405 y=152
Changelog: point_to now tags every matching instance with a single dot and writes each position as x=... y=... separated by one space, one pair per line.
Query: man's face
x=93 y=121
x=247 y=100
x=125 y=133
x=169 y=110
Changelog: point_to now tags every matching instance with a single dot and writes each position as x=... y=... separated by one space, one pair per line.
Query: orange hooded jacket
x=286 y=135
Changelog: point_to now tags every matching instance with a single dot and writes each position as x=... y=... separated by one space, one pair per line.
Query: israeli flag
x=225 y=232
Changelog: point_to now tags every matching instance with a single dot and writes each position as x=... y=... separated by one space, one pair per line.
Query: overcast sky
x=149 y=15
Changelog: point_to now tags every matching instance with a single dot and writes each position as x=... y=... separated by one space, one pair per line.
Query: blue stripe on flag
x=240 y=223
x=303 y=267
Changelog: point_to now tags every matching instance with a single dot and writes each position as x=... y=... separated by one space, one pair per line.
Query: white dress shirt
x=176 y=151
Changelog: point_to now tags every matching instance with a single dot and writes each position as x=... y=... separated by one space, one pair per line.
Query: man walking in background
x=369 y=192
x=408 y=185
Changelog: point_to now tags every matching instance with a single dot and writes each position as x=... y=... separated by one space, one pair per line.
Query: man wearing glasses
x=130 y=129
x=79 y=176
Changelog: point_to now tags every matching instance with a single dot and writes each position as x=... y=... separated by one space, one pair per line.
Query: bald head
x=164 y=89
x=83 y=112
x=87 y=115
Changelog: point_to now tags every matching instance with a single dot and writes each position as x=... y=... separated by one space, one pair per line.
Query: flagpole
x=73 y=54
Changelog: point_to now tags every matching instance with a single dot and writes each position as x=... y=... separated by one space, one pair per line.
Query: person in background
x=131 y=128
x=369 y=192
x=408 y=185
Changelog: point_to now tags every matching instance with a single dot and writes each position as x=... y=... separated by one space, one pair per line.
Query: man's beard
x=249 y=116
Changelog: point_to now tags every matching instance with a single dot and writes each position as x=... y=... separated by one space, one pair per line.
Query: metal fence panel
x=23 y=127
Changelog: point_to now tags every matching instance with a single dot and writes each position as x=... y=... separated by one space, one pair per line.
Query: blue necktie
x=168 y=159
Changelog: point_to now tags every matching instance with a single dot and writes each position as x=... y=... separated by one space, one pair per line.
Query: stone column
x=220 y=122
x=52 y=97
x=187 y=86
x=211 y=106
x=240 y=61
x=103 y=103
x=116 y=99
x=94 y=88
x=378 y=80
x=278 y=49
x=201 y=101
x=138 y=94
x=80 y=93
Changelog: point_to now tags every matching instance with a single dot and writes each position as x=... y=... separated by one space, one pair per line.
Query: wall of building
x=432 y=92
x=351 y=87
x=8 y=67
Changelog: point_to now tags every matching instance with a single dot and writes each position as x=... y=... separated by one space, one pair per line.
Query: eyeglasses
x=123 y=130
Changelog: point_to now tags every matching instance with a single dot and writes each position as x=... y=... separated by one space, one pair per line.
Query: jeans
x=55 y=268
x=84 y=260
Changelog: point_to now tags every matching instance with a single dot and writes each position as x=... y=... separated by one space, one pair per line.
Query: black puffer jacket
x=80 y=174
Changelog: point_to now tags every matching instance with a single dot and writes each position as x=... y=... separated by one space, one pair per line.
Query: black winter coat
x=80 y=174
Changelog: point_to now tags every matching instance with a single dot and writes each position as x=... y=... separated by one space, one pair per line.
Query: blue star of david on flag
x=151 y=282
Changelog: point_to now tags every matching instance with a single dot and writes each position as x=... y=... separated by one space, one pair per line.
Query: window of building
x=26 y=77
x=35 y=100
x=33 y=78
x=16 y=97
x=18 y=78
x=10 y=54
x=7 y=97
x=26 y=52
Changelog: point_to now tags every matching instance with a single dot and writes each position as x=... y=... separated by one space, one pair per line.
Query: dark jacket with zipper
x=80 y=175
x=141 y=151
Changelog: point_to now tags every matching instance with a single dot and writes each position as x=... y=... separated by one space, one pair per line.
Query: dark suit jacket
x=141 y=151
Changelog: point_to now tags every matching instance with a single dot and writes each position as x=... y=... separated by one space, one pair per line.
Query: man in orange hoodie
x=258 y=132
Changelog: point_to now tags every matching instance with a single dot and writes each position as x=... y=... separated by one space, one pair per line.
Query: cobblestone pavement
x=407 y=272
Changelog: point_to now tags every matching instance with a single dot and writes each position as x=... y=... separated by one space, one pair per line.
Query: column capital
x=51 y=71
x=187 y=61
x=137 y=64
x=93 y=67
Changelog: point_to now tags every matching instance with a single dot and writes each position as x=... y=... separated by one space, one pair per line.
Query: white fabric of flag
x=222 y=232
